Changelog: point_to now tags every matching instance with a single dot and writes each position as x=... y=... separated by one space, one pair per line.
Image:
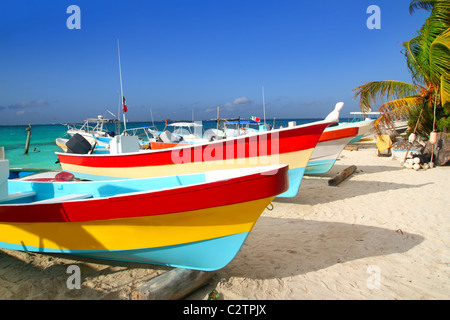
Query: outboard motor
x=78 y=144
x=165 y=136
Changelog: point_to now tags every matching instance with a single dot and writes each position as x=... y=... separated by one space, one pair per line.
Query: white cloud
x=238 y=105
x=241 y=100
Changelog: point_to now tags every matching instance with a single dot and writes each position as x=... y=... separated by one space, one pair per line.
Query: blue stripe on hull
x=101 y=151
x=207 y=255
x=319 y=166
x=104 y=188
x=104 y=140
x=295 y=179
x=357 y=138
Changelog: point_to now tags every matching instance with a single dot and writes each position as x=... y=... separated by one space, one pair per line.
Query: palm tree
x=428 y=60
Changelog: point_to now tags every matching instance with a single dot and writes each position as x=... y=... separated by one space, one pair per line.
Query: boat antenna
x=121 y=89
x=264 y=107
x=217 y=124
x=111 y=113
x=118 y=115
x=151 y=114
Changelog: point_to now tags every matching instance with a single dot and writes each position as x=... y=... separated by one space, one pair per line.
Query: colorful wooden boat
x=199 y=224
x=291 y=146
x=331 y=143
x=365 y=127
x=399 y=125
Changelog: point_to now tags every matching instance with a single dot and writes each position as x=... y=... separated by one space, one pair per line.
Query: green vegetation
x=427 y=98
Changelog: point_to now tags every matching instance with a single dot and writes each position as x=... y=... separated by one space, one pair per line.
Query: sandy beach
x=383 y=233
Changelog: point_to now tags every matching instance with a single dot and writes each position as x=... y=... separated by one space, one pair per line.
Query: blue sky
x=184 y=58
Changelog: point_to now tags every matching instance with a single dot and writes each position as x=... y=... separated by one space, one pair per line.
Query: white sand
x=383 y=233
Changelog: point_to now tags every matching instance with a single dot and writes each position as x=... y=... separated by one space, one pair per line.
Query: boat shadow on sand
x=312 y=189
x=45 y=276
x=360 y=169
x=299 y=246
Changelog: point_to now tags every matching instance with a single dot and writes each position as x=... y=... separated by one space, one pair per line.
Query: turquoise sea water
x=41 y=153
x=13 y=139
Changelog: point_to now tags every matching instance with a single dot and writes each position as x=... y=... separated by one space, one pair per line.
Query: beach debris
x=433 y=137
x=172 y=285
x=342 y=176
x=435 y=152
x=418 y=161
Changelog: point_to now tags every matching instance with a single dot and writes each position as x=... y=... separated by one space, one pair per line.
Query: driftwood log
x=172 y=285
x=341 y=176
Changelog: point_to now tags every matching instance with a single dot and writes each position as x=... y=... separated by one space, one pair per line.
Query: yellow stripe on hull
x=297 y=159
x=136 y=233
x=62 y=146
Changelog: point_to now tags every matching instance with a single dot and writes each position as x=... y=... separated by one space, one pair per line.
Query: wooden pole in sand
x=27 y=142
x=341 y=176
x=172 y=285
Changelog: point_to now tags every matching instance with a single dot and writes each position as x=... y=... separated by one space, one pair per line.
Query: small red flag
x=124 y=105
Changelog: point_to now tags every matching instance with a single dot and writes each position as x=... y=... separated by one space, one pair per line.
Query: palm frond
x=417 y=50
x=445 y=92
x=414 y=61
x=441 y=11
x=440 y=57
x=439 y=20
x=370 y=92
x=418 y=4
x=421 y=120
x=400 y=108
x=397 y=109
